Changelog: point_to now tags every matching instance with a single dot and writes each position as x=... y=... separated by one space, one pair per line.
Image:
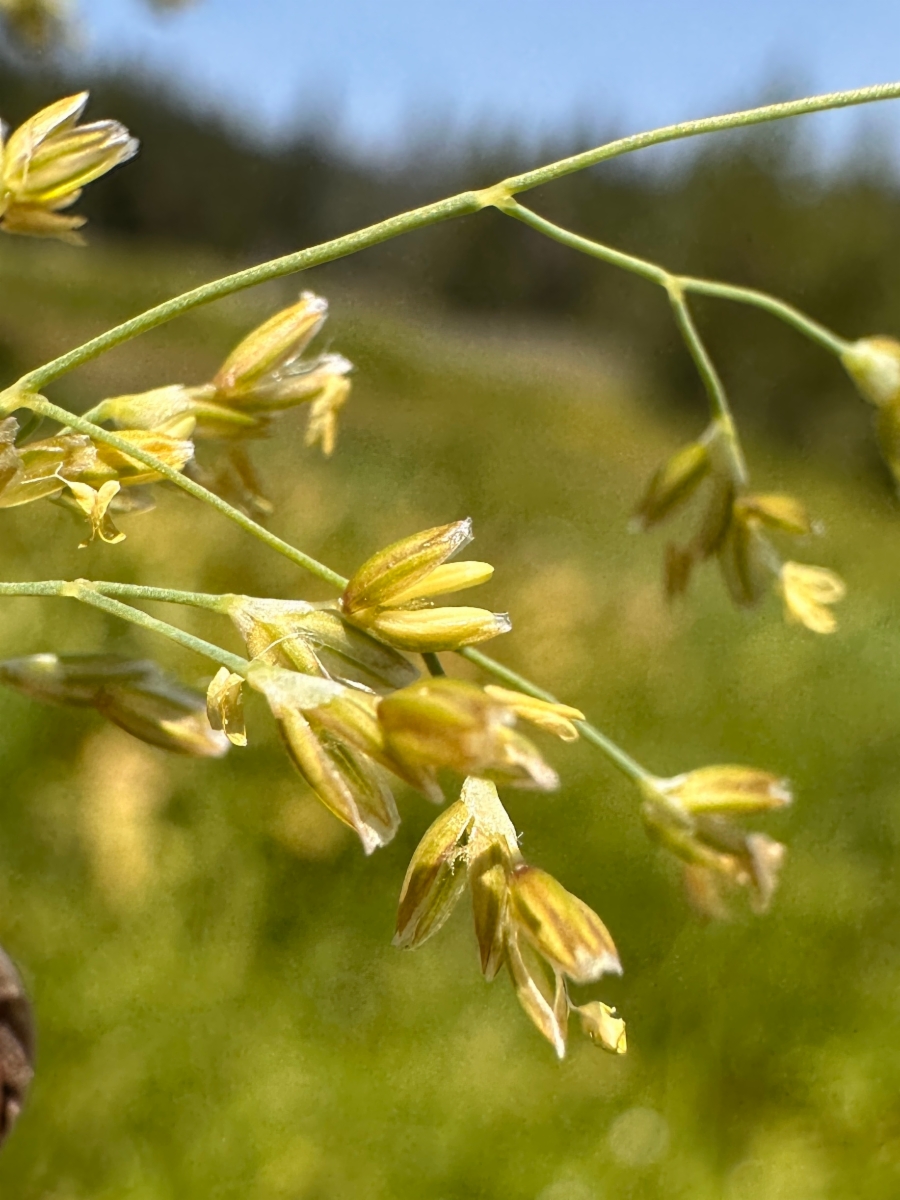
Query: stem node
x=499 y=196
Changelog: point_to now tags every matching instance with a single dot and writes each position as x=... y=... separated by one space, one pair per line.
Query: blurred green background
x=220 y=1011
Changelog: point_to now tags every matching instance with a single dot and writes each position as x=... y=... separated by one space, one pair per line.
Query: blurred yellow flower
x=689 y=815
x=807 y=592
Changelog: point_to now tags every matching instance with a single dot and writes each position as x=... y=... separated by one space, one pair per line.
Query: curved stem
x=718 y=401
x=442 y=210
x=22 y=393
x=816 y=332
x=86 y=592
x=575 y=241
x=130 y=591
x=39 y=404
x=675 y=287
x=87 y=595
x=686 y=129
x=289 y=264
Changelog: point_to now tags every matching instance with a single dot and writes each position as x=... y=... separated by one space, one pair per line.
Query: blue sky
x=380 y=69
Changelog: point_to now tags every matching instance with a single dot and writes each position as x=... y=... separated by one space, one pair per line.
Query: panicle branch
x=735 y=524
x=340 y=678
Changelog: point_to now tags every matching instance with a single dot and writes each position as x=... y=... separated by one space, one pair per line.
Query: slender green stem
x=289 y=264
x=686 y=129
x=616 y=755
x=667 y=279
x=127 y=591
x=87 y=593
x=137 y=591
x=617 y=258
x=46 y=587
x=826 y=338
x=704 y=364
x=674 y=287
x=431 y=214
x=718 y=400
x=96 y=433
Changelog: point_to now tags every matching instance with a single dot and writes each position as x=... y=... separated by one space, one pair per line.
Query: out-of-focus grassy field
x=221 y=1012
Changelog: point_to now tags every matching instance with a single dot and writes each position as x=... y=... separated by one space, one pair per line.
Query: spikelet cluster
x=266 y=374
x=135 y=694
x=392 y=594
x=692 y=816
x=354 y=714
x=736 y=528
x=46 y=163
x=525 y=920
x=95 y=480
x=352 y=746
x=356 y=717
